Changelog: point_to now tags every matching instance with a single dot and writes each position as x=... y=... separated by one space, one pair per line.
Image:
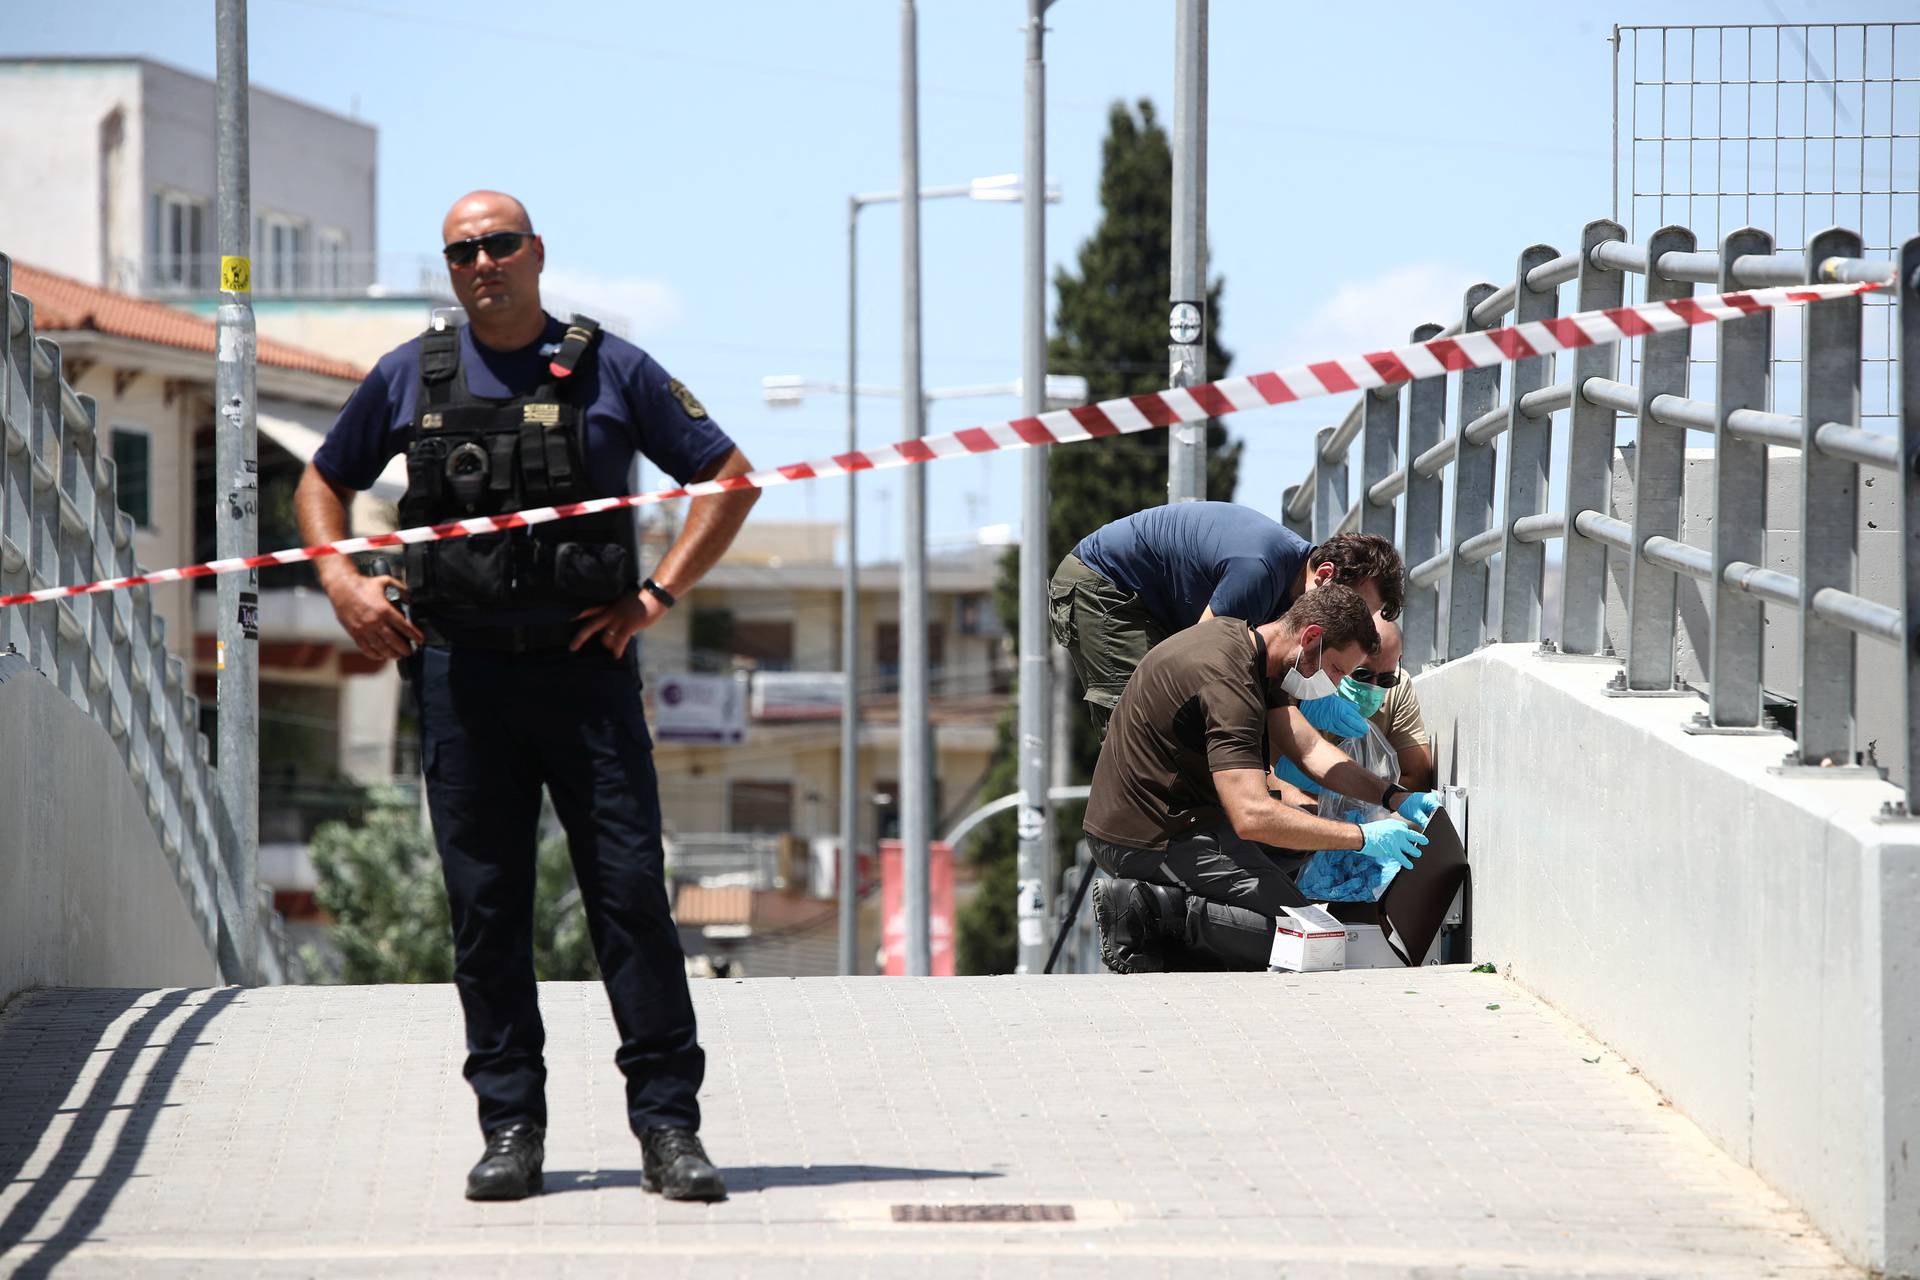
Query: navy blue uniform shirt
x=633 y=405
x=1189 y=556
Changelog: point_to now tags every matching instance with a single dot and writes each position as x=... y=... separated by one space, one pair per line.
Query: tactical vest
x=470 y=456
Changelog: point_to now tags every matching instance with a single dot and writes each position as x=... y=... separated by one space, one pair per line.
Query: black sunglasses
x=500 y=245
x=1378 y=679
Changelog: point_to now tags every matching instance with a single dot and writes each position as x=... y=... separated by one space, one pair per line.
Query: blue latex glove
x=1345 y=875
x=1418 y=806
x=1288 y=771
x=1335 y=715
x=1390 y=840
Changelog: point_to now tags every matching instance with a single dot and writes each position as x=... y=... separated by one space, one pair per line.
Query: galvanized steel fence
x=60 y=522
x=1454 y=543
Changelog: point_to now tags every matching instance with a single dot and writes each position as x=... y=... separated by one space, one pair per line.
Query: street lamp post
x=916 y=731
x=236 y=505
x=1034 y=825
x=1187 y=315
x=849 y=888
x=998 y=188
x=787 y=390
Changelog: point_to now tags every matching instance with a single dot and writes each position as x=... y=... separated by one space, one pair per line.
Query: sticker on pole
x=1183 y=323
x=236 y=274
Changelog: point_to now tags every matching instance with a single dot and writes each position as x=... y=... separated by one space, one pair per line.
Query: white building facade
x=119 y=155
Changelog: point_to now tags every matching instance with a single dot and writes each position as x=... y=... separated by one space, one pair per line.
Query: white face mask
x=1306 y=688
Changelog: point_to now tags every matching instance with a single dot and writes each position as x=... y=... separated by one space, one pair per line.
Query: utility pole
x=1187 y=317
x=236 y=491
x=1035 y=827
x=916 y=730
x=850 y=805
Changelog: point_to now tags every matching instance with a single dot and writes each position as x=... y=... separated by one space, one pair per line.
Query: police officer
x=519 y=645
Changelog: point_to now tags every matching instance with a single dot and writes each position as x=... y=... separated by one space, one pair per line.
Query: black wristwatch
x=658 y=592
x=1386 y=797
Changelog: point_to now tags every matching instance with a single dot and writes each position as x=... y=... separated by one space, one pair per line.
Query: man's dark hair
x=1341 y=615
x=1356 y=557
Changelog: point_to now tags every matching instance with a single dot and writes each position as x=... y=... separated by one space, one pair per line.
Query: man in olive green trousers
x=1133 y=583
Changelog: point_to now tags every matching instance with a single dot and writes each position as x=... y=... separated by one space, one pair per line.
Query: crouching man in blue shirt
x=1132 y=583
x=519 y=644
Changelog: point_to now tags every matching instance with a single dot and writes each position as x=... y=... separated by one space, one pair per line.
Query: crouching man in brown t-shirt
x=1203 y=855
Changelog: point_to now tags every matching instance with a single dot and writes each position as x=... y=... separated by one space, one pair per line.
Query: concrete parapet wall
x=87 y=896
x=1747 y=940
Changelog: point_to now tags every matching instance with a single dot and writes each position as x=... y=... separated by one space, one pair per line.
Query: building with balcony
x=120 y=155
x=327 y=715
x=768 y=616
x=759 y=772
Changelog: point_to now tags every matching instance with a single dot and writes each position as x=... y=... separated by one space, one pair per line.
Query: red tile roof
x=699 y=904
x=61 y=303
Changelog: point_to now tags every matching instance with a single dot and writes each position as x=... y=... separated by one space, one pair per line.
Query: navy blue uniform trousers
x=495 y=728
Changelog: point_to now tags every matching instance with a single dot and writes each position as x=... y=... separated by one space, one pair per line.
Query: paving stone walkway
x=1376 y=1123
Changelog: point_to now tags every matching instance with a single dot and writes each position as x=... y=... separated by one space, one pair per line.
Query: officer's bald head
x=499 y=285
x=479 y=212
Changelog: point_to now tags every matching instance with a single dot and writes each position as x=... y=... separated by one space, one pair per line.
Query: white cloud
x=633 y=306
x=1373 y=312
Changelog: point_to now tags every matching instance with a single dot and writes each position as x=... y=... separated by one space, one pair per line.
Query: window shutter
x=151 y=275
x=132 y=462
x=196 y=245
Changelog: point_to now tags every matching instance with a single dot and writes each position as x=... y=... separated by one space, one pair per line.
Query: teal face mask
x=1367 y=697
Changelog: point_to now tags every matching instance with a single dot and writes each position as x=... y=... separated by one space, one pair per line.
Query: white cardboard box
x=1308 y=940
x=1367 y=945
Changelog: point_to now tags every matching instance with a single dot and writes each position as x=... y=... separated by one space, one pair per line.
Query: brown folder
x=1414 y=907
x=1415 y=904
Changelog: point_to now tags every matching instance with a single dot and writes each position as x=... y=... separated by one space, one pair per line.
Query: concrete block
x=1746 y=940
x=87 y=896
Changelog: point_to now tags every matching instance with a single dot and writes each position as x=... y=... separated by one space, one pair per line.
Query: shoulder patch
x=687 y=400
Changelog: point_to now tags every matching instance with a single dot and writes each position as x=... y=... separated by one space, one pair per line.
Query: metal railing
x=308 y=274
x=1462 y=435
x=60 y=523
x=193 y=280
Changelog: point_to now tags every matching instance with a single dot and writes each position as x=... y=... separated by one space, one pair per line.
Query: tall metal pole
x=916 y=736
x=235 y=508
x=1187 y=317
x=1036 y=729
x=850 y=634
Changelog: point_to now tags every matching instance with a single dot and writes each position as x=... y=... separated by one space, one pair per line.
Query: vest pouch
x=417 y=562
x=590 y=572
x=426 y=478
x=473 y=571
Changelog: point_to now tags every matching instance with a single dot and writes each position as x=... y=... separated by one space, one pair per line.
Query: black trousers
x=1234 y=889
x=495 y=728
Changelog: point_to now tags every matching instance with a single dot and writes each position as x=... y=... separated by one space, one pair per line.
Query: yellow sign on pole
x=236 y=275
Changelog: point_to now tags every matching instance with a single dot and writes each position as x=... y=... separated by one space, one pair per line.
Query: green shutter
x=132 y=458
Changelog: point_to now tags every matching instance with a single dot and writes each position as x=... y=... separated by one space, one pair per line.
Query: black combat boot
x=510 y=1169
x=1136 y=919
x=673 y=1162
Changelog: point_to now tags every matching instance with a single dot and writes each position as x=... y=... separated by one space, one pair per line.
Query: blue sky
x=689 y=164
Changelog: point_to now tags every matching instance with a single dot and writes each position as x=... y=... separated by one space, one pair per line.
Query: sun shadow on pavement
x=66 y=1030
x=741 y=1181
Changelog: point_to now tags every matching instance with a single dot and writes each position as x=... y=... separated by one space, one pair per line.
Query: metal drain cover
x=990 y=1213
x=1038 y=1215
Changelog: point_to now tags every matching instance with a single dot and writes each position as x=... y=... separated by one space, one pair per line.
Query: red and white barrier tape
x=1110 y=417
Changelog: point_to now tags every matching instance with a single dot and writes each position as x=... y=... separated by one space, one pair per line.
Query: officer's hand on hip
x=375 y=622
x=616 y=624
